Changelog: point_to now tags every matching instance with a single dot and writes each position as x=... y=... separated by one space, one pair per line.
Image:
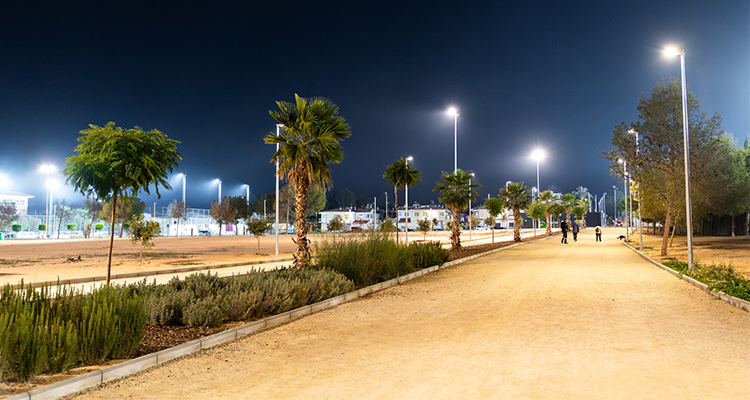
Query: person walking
x=574 y=228
x=564 y=229
x=598 y=231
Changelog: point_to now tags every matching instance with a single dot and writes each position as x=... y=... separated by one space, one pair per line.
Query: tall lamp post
x=219 y=182
x=184 y=203
x=688 y=205
x=47 y=168
x=538 y=155
x=278 y=128
x=471 y=175
x=406 y=206
x=638 y=189
x=614 y=202
x=386 y=205
x=454 y=112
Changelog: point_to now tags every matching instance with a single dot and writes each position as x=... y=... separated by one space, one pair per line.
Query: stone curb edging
x=737 y=302
x=94 y=378
x=75 y=281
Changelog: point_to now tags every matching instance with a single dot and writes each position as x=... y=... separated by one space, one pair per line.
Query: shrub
x=720 y=277
x=204 y=312
x=98 y=227
x=366 y=258
x=41 y=227
x=16 y=228
x=424 y=255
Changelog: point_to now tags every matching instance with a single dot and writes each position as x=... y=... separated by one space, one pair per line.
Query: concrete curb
x=95 y=378
x=88 y=279
x=739 y=303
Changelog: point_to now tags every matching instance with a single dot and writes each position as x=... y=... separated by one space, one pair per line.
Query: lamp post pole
x=472 y=174
x=406 y=206
x=615 y=203
x=184 y=178
x=386 y=205
x=638 y=189
x=278 y=127
x=452 y=111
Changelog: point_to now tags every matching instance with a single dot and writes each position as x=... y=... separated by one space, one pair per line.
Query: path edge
x=737 y=302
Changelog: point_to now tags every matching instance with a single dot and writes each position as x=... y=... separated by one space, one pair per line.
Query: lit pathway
x=539 y=321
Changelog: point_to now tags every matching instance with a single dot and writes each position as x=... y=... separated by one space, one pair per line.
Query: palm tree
x=494 y=206
x=568 y=201
x=517 y=197
x=400 y=174
x=456 y=193
x=549 y=199
x=585 y=204
x=308 y=144
x=581 y=192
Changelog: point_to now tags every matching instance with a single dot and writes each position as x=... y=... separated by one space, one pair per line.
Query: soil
x=214 y=250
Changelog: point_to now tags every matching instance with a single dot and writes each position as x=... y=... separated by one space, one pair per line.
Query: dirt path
x=539 y=321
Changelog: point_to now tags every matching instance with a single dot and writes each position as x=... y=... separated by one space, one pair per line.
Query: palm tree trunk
x=111 y=238
x=456 y=231
x=302 y=258
x=516 y=228
x=549 y=223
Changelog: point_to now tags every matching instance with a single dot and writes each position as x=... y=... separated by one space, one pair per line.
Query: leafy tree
x=111 y=161
x=143 y=232
x=309 y=143
x=549 y=200
x=494 y=206
x=585 y=205
x=316 y=201
x=178 y=210
x=335 y=224
x=401 y=174
x=93 y=207
x=424 y=226
x=456 y=193
x=239 y=205
x=222 y=212
x=656 y=161
x=258 y=227
x=266 y=204
x=342 y=198
x=7 y=214
x=63 y=212
x=387 y=226
x=537 y=210
x=517 y=197
x=127 y=208
x=733 y=180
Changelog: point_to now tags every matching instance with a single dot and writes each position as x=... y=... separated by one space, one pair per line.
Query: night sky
x=550 y=74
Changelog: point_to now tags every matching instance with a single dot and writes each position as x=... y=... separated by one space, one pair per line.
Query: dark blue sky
x=559 y=75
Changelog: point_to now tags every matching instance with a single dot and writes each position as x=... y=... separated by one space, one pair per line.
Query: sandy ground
x=540 y=321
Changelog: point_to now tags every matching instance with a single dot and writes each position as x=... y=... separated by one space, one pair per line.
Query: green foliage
x=386 y=226
x=517 y=197
x=8 y=213
x=366 y=258
x=70 y=227
x=336 y=224
x=222 y=212
x=41 y=227
x=98 y=227
x=424 y=226
x=719 y=277
x=16 y=228
x=456 y=192
x=143 y=232
x=424 y=255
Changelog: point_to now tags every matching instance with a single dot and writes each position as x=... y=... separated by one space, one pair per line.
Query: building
x=21 y=200
x=437 y=215
x=354 y=219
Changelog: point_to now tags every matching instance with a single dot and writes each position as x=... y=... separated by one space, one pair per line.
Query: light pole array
x=454 y=112
x=688 y=204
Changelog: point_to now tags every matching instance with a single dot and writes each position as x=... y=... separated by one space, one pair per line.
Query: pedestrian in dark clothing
x=574 y=229
x=598 y=232
x=564 y=229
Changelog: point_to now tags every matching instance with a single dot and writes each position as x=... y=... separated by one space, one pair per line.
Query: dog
x=621 y=237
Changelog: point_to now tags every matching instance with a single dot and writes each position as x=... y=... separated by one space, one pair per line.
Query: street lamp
x=625 y=190
x=688 y=206
x=454 y=113
x=406 y=205
x=386 y=206
x=614 y=200
x=47 y=168
x=183 y=188
x=638 y=188
x=217 y=180
x=278 y=129
x=538 y=155
x=471 y=175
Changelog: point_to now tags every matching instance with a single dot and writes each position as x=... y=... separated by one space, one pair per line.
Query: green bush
x=720 y=277
x=98 y=227
x=16 y=228
x=204 y=312
x=41 y=227
x=365 y=258
x=71 y=227
x=425 y=255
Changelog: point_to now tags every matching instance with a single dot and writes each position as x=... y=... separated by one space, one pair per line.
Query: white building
x=418 y=212
x=21 y=200
x=354 y=219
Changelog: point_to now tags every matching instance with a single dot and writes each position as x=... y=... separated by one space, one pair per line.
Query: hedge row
x=719 y=277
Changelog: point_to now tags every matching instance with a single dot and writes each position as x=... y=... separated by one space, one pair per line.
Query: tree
x=517 y=197
x=7 y=214
x=568 y=201
x=386 y=226
x=258 y=227
x=456 y=194
x=581 y=192
x=537 y=210
x=63 y=212
x=335 y=224
x=549 y=200
x=494 y=206
x=316 y=201
x=733 y=181
x=424 y=226
x=111 y=161
x=401 y=174
x=585 y=205
x=127 y=208
x=241 y=209
x=656 y=160
x=266 y=204
x=178 y=211
x=143 y=232
x=93 y=207
x=222 y=212
x=308 y=144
